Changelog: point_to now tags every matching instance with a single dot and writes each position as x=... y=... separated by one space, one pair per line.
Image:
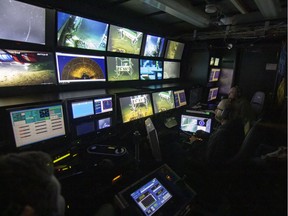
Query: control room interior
x=113 y=84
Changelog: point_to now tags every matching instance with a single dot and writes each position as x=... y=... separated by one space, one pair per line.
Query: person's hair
x=227 y=112
x=26 y=179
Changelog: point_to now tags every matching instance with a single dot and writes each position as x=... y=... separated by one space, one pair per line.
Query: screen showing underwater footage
x=154 y=46
x=174 y=50
x=122 y=68
x=124 y=40
x=26 y=68
x=163 y=101
x=135 y=107
x=78 y=32
x=80 y=68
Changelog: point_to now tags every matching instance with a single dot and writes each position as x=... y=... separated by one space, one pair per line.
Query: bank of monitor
x=36 y=124
x=75 y=68
x=26 y=68
x=214 y=75
x=163 y=101
x=192 y=122
x=212 y=94
x=180 y=98
x=154 y=46
x=135 y=107
x=22 y=22
x=124 y=40
x=79 y=32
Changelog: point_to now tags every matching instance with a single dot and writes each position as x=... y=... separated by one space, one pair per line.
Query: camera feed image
x=135 y=107
x=163 y=101
x=154 y=46
x=214 y=74
x=26 y=68
x=151 y=69
x=80 y=68
x=180 y=98
x=18 y=25
x=171 y=70
x=124 y=40
x=120 y=69
x=79 y=32
x=174 y=50
x=104 y=123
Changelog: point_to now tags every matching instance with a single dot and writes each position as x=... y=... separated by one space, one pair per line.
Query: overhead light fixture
x=181 y=10
x=239 y=6
x=210 y=8
x=269 y=8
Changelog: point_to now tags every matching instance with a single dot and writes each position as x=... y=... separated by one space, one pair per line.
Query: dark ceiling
x=188 y=20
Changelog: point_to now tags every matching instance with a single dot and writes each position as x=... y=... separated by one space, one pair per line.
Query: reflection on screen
x=22 y=22
x=214 y=74
x=135 y=107
x=180 y=98
x=154 y=46
x=171 y=70
x=151 y=196
x=82 y=108
x=120 y=69
x=124 y=40
x=191 y=123
x=163 y=101
x=78 y=32
x=151 y=69
x=80 y=68
x=37 y=124
x=26 y=68
x=213 y=93
x=103 y=105
x=174 y=50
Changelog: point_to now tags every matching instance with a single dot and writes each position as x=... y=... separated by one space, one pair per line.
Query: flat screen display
x=22 y=22
x=214 y=61
x=154 y=46
x=104 y=123
x=103 y=105
x=122 y=68
x=163 y=101
x=212 y=94
x=180 y=98
x=82 y=108
x=151 y=196
x=124 y=40
x=31 y=125
x=151 y=69
x=26 y=68
x=174 y=50
x=171 y=70
x=73 y=68
x=214 y=74
x=78 y=32
x=135 y=107
x=190 y=123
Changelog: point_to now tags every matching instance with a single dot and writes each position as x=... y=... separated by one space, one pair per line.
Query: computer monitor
x=103 y=105
x=171 y=70
x=151 y=69
x=214 y=74
x=214 y=61
x=104 y=123
x=154 y=46
x=122 y=68
x=180 y=98
x=135 y=107
x=26 y=68
x=124 y=40
x=22 y=22
x=174 y=50
x=74 y=68
x=163 y=101
x=212 y=94
x=82 y=108
x=78 y=32
x=191 y=123
x=35 y=124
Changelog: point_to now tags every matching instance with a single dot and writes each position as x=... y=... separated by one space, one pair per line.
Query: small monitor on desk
x=191 y=123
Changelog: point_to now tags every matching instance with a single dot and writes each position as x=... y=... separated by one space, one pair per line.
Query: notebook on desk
x=190 y=123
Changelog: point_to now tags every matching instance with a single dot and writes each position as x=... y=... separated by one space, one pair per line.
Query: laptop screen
x=191 y=123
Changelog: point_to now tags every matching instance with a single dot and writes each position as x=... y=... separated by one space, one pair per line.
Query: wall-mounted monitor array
x=34 y=124
x=26 y=68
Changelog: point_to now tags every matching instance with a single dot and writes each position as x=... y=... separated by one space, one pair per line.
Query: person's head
x=234 y=93
x=223 y=112
x=28 y=186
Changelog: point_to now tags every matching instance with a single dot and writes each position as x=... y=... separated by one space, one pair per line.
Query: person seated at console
x=242 y=107
x=28 y=187
x=223 y=143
